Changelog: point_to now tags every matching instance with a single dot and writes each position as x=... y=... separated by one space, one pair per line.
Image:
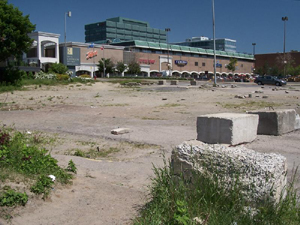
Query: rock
x=265 y=96
x=261 y=174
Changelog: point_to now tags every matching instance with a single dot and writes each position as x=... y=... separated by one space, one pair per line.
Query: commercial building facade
x=122 y=29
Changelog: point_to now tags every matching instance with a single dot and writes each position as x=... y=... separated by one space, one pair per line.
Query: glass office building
x=224 y=44
x=122 y=29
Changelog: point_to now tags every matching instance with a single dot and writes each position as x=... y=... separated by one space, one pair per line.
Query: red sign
x=91 y=54
x=146 y=61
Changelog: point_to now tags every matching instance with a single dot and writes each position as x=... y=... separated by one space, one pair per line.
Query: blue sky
x=246 y=21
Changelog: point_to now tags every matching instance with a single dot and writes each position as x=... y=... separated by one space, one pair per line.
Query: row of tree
x=119 y=67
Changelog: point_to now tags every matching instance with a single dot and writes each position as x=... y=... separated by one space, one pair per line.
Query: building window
x=196 y=63
x=203 y=64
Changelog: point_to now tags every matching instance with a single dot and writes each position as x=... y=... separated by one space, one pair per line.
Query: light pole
x=284 y=19
x=253 y=48
x=214 y=37
x=168 y=65
x=65 y=48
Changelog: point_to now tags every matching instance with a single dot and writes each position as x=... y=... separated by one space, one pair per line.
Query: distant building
x=224 y=44
x=122 y=29
x=276 y=60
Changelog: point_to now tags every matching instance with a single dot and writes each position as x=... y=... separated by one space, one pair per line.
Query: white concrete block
x=120 y=131
x=227 y=128
x=275 y=122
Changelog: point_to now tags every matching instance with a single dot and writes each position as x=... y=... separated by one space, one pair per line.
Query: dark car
x=261 y=80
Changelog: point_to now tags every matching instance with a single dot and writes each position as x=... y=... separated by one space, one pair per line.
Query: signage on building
x=73 y=56
x=146 y=61
x=180 y=62
x=91 y=54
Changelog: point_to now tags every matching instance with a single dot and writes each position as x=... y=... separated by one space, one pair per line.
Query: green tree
x=14 y=28
x=109 y=66
x=58 y=68
x=134 y=68
x=121 y=67
x=232 y=64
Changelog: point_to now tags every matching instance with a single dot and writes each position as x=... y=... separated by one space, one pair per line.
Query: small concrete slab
x=162 y=82
x=174 y=82
x=120 y=131
x=275 y=122
x=193 y=82
x=227 y=128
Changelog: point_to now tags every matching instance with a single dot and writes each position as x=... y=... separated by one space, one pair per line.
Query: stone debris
x=120 y=131
x=260 y=92
x=261 y=174
x=265 y=96
x=286 y=92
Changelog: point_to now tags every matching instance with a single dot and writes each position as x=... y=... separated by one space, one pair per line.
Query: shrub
x=11 y=76
x=58 y=68
x=61 y=77
x=11 y=198
x=85 y=76
x=42 y=186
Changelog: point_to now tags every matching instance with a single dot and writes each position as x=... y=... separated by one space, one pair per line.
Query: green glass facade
x=122 y=29
x=226 y=45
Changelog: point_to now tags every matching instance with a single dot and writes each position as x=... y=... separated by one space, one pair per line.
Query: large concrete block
x=275 y=122
x=261 y=175
x=297 y=123
x=227 y=128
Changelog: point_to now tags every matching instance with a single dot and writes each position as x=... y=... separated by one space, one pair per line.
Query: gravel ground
x=111 y=190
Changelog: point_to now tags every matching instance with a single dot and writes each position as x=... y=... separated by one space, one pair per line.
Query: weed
x=79 y=153
x=177 y=200
x=171 y=105
x=249 y=105
x=72 y=167
x=9 y=197
x=42 y=186
x=50 y=98
x=31 y=98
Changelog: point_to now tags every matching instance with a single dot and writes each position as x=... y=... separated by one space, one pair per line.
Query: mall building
x=126 y=40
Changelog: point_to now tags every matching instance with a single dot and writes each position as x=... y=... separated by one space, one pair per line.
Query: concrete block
x=297 y=123
x=162 y=82
x=261 y=174
x=193 y=82
x=275 y=122
x=120 y=131
x=174 y=82
x=227 y=128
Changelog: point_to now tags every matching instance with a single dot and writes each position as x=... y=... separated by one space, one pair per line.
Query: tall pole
x=168 y=64
x=103 y=62
x=65 y=40
x=253 y=48
x=214 y=37
x=284 y=19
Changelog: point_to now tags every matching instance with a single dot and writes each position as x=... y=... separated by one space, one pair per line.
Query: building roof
x=179 y=48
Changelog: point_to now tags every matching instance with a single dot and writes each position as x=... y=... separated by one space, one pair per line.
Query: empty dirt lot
x=110 y=189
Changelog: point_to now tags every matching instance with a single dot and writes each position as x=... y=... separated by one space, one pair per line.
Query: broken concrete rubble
x=261 y=175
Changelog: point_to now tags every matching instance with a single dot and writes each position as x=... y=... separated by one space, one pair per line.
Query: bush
x=11 y=76
x=58 y=68
x=61 y=77
x=85 y=76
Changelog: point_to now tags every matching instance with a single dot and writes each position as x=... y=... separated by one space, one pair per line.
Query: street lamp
x=253 y=48
x=65 y=48
x=214 y=37
x=284 y=19
x=169 y=64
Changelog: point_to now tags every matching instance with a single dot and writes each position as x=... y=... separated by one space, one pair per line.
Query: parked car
x=261 y=80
